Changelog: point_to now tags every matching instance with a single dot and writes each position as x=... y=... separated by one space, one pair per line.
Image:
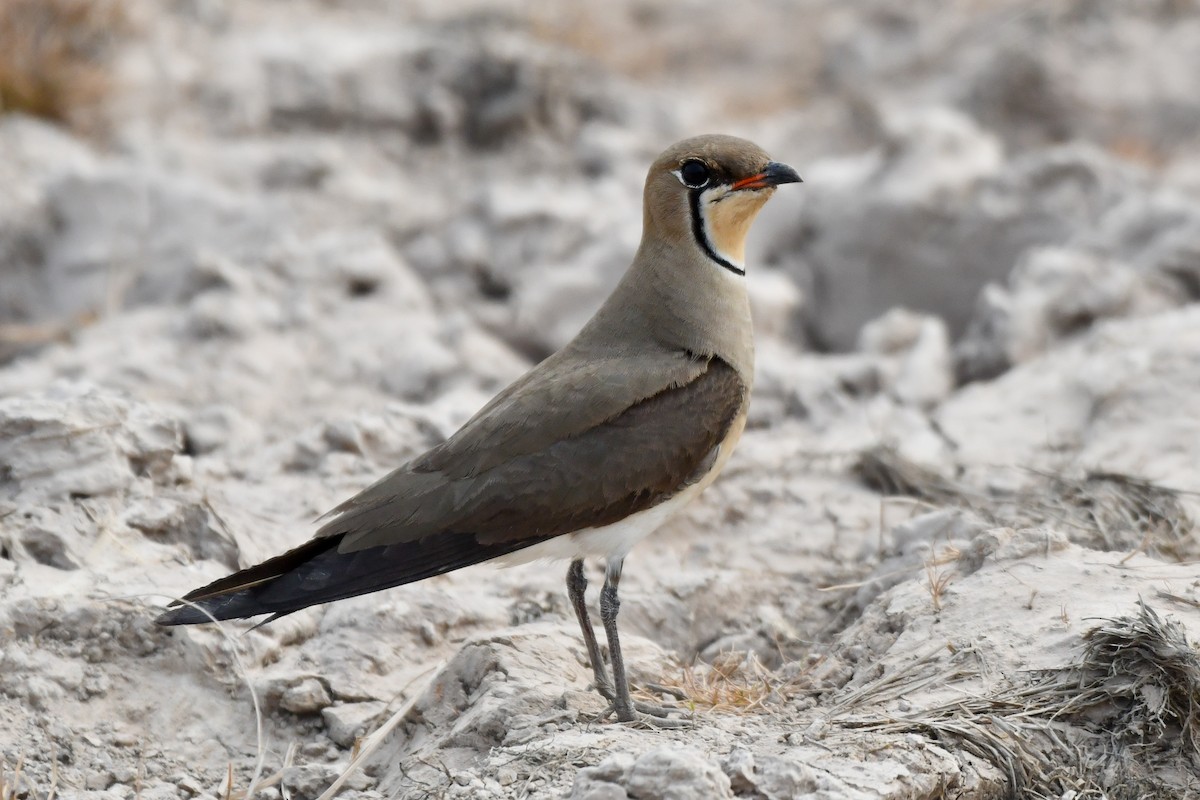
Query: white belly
x=611 y=541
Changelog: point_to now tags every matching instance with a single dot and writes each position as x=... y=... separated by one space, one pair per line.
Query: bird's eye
x=694 y=174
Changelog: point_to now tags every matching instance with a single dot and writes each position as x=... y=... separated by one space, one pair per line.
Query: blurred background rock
x=496 y=146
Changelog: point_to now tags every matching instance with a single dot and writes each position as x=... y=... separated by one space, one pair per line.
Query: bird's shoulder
x=563 y=397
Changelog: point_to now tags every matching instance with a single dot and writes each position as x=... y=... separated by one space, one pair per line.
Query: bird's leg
x=576 y=586
x=610 y=604
x=622 y=703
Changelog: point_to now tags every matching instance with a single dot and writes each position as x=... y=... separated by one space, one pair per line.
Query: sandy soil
x=954 y=556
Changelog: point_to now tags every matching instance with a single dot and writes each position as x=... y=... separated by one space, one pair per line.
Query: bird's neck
x=679 y=301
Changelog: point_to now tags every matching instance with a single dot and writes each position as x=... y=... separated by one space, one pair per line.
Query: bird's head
x=703 y=193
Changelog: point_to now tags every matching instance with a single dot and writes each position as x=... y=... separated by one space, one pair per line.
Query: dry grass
x=887 y=472
x=1143 y=676
x=1120 y=512
x=1101 y=510
x=737 y=682
x=937 y=581
x=1123 y=721
x=55 y=57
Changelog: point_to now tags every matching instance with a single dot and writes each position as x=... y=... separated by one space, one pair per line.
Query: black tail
x=316 y=573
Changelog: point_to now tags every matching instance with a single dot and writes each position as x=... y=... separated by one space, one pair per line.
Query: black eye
x=694 y=174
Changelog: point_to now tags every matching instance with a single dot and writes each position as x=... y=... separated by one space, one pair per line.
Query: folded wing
x=511 y=478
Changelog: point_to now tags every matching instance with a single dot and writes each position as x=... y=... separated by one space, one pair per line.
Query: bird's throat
x=720 y=225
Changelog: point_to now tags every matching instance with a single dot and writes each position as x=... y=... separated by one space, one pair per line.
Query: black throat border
x=702 y=239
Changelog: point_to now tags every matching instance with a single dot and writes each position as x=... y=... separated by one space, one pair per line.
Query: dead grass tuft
x=887 y=472
x=1123 y=721
x=1100 y=510
x=937 y=580
x=1120 y=512
x=1142 y=675
x=55 y=57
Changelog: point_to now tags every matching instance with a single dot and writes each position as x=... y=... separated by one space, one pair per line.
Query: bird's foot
x=657 y=688
x=657 y=710
x=648 y=716
x=641 y=713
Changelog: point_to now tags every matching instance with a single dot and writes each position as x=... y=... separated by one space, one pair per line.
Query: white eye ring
x=699 y=181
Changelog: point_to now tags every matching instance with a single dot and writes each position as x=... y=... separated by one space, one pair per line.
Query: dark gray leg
x=576 y=586
x=610 y=604
x=616 y=692
x=623 y=705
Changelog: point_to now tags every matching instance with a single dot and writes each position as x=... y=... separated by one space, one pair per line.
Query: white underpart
x=611 y=541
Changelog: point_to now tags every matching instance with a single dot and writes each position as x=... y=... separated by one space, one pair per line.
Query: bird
x=589 y=452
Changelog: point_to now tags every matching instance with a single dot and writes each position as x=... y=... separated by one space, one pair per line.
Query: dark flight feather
x=316 y=573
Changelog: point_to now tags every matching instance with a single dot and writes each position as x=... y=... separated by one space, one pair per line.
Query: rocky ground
x=954 y=556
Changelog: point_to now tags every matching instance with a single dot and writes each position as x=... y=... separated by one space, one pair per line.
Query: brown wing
x=422 y=522
x=623 y=464
x=566 y=395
